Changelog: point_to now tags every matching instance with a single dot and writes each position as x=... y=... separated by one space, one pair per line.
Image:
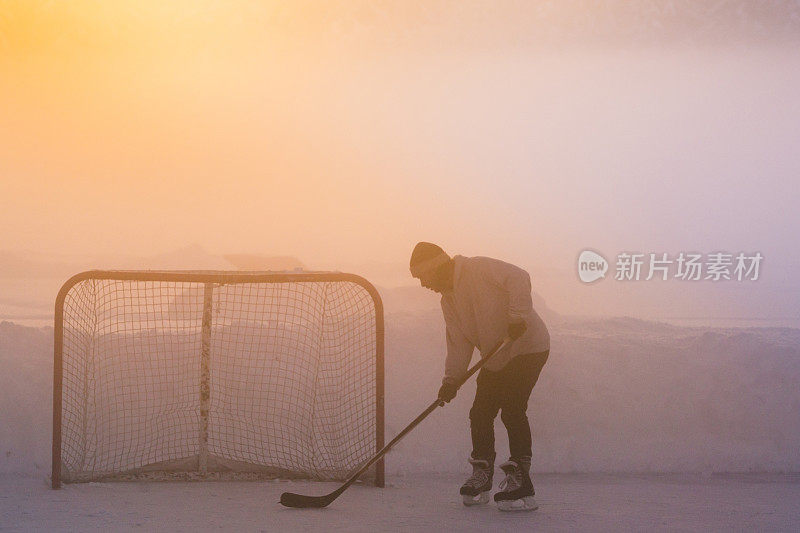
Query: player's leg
x=482 y=414
x=519 y=376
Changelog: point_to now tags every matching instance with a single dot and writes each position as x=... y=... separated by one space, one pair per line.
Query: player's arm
x=459 y=354
x=517 y=284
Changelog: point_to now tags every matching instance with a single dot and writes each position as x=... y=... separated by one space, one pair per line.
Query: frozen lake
x=568 y=502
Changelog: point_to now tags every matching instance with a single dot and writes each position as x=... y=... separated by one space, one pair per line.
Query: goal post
x=217 y=375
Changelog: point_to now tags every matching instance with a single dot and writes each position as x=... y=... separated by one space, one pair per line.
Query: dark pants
x=507 y=390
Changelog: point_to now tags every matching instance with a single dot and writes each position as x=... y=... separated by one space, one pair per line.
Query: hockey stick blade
x=299 y=501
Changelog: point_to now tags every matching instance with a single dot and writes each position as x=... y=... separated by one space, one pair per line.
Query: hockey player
x=483 y=300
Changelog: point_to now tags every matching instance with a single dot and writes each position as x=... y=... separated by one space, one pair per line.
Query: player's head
x=432 y=267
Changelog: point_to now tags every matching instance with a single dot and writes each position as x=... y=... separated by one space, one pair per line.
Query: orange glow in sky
x=332 y=132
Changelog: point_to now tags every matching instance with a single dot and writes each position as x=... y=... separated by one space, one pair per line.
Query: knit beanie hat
x=426 y=257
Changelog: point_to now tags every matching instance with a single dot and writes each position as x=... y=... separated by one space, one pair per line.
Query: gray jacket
x=487 y=295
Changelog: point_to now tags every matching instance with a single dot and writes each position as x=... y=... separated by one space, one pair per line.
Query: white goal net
x=215 y=374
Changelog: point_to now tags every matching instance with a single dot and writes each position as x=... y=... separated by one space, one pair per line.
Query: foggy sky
x=141 y=129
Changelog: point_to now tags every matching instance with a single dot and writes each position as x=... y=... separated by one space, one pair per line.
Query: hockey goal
x=211 y=375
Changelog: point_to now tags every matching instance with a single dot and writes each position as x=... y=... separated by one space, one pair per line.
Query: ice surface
x=567 y=502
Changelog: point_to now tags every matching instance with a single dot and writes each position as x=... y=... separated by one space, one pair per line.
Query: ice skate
x=516 y=490
x=475 y=490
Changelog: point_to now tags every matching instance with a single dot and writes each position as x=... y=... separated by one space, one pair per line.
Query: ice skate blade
x=480 y=499
x=527 y=503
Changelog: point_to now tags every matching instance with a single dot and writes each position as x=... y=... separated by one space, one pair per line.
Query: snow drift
x=615 y=395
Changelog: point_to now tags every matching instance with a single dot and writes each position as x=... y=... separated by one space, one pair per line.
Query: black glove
x=447 y=391
x=516 y=329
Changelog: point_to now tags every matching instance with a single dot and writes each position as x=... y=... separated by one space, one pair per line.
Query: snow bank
x=615 y=395
x=619 y=395
x=26 y=392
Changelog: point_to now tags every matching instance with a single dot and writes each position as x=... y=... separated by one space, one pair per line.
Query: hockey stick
x=290 y=499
